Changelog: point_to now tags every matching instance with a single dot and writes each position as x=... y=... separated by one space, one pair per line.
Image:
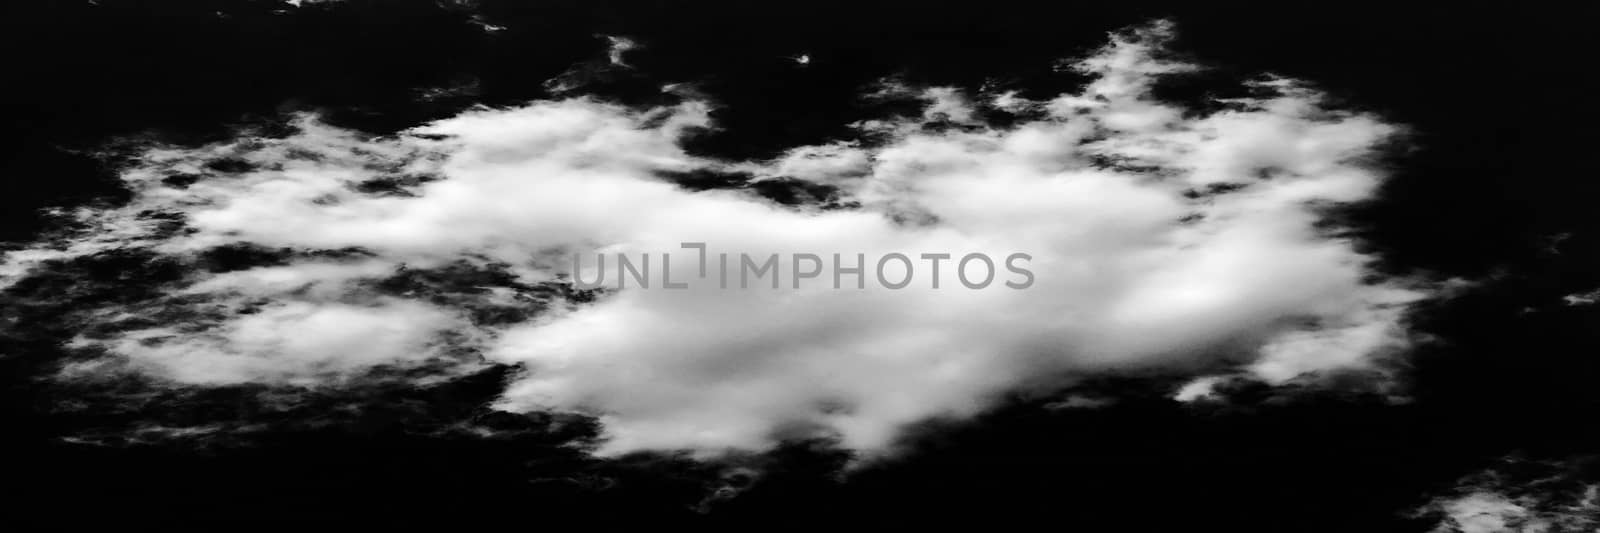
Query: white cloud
x=1157 y=241
x=619 y=46
x=293 y=341
x=1491 y=502
x=1582 y=298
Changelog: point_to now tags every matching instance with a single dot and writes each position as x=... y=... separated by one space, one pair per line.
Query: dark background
x=1495 y=184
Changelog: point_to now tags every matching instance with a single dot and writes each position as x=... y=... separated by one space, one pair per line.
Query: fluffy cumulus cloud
x=1159 y=237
